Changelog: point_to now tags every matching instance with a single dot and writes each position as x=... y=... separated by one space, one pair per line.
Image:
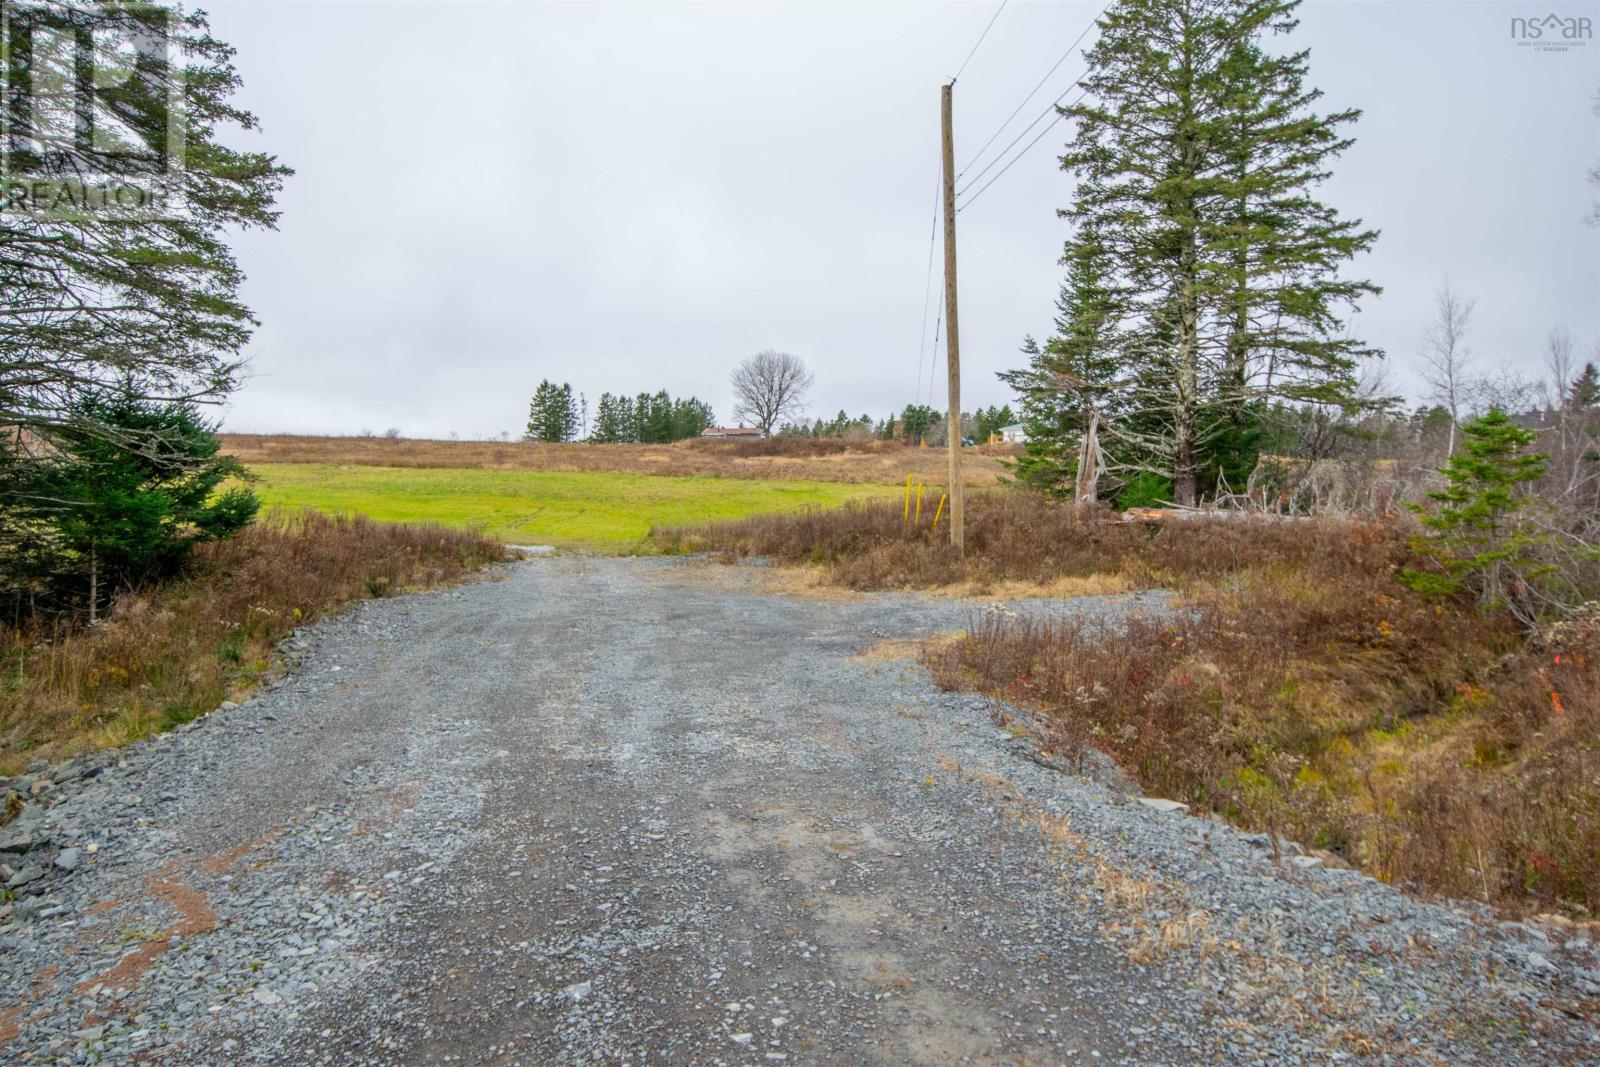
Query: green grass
x=600 y=510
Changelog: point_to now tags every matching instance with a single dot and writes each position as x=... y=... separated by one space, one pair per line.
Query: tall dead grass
x=165 y=655
x=1010 y=536
x=1298 y=688
x=776 y=459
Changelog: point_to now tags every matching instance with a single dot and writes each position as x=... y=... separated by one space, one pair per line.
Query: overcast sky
x=634 y=196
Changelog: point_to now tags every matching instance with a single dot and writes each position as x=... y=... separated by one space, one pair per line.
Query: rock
x=69 y=858
x=1158 y=804
x=742 y=1039
x=1536 y=963
x=31 y=873
x=1305 y=862
x=263 y=995
x=18 y=841
x=578 y=992
x=69 y=771
x=43 y=785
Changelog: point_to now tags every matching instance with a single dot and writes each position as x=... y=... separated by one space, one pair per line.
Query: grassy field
x=594 y=509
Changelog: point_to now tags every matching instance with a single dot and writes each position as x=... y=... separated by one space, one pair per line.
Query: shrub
x=170 y=652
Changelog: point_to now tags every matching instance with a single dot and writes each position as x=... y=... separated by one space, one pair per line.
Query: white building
x=1013 y=434
x=733 y=433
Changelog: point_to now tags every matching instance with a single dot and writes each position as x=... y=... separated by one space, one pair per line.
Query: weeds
x=168 y=654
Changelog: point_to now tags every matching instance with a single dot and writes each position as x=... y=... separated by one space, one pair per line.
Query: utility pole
x=952 y=333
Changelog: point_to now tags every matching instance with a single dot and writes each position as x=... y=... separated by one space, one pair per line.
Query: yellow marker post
x=920 y=488
x=905 y=512
x=940 y=511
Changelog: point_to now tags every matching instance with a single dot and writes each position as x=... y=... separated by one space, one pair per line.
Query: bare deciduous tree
x=769 y=386
x=1445 y=357
x=1502 y=388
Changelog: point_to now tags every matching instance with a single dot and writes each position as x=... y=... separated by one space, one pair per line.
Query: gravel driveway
x=641 y=811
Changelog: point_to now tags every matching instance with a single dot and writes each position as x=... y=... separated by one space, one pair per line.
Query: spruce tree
x=689 y=418
x=1196 y=153
x=1474 y=533
x=128 y=488
x=916 y=421
x=608 y=423
x=553 y=413
x=1072 y=374
x=98 y=297
x=1584 y=392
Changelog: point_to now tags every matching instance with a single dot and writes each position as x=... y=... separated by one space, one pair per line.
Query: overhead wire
x=1032 y=92
x=979 y=41
x=1048 y=127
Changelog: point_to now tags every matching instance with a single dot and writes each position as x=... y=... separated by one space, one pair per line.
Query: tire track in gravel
x=635 y=811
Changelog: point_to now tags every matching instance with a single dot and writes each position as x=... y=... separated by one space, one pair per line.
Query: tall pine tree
x=553 y=414
x=1196 y=153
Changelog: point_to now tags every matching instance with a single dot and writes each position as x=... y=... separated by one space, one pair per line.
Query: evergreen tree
x=916 y=421
x=1072 y=374
x=1473 y=529
x=690 y=418
x=1195 y=154
x=627 y=422
x=610 y=426
x=1584 y=392
x=553 y=413
x=97 y=297
x=658 y=424
x=129 y=487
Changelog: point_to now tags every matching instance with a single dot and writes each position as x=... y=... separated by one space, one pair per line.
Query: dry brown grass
x=1299 y=688
x=778 y=459
x=1015 y=542
x=166 y=655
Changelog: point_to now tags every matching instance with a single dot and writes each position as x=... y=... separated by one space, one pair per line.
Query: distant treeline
x=648 y=418
x=558 y=414
x=917 y=424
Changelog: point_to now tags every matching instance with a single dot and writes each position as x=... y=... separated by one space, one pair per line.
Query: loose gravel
x=639 y=810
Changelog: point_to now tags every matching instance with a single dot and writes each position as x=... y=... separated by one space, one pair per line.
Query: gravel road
x=642 y=811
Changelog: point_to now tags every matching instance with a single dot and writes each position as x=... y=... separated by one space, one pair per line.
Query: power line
x=1024 y=103
x=1016 y=157
x=979 y=41
x=1052 y=108
x=933 y=355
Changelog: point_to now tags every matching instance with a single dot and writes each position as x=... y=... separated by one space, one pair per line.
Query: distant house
x=1013 y=434
x=733 y=433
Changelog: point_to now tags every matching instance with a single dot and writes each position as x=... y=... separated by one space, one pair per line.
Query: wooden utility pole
x=952 y=333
